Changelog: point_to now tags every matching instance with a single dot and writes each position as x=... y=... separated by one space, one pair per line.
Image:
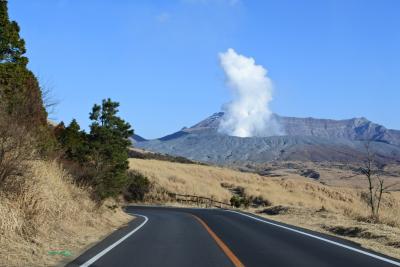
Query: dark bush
x=275 y=210
x=310 y=174
x=84 y=174
x=238 y=201
x=139 y=185
x=259 y=201
x=235 y=201
x=245 y=201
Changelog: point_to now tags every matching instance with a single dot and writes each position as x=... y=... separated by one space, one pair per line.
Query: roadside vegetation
x=60 y=188
x=46 y=213
x=101 y=154
x=289 y=198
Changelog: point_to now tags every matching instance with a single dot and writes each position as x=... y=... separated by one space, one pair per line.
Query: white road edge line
x=106 y=250
x=320 y=238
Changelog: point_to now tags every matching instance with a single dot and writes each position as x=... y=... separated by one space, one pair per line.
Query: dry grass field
x=293 y=199
x=48 y=213
x=333 y=174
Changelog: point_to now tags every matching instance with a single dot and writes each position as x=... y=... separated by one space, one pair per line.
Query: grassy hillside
x=48 y=212
x=291 y=198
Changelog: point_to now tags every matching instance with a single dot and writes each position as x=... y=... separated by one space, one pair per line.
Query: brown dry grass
x=312 y=204
x=48 y=212
x=334 y=174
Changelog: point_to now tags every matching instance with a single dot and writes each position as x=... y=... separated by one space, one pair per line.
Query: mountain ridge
x=304 y=139
x=363 y=129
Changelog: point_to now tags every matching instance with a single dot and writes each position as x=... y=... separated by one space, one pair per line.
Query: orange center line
x=221 y=244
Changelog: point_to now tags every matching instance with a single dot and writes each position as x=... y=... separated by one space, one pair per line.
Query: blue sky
x=328 y=59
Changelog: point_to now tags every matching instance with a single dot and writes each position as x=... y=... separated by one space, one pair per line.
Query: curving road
x=210 y=237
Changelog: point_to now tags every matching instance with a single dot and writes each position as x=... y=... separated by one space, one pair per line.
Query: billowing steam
x=248 y=114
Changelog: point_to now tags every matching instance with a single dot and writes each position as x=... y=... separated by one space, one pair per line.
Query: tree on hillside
x=20 y=93
x=108 y=148
x=73 y=141
x=19 y=89
x=12 y=46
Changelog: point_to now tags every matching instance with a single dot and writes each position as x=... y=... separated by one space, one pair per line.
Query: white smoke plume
x=248 y=114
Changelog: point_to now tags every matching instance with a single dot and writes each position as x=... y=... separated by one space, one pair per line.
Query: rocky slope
x=304 y=139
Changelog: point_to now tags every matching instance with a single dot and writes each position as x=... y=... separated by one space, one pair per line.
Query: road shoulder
x=106 y=242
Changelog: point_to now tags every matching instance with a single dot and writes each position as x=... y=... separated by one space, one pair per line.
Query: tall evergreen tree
x=12 y=46
x=74 y=142
x=108 y=144
x=20 y=93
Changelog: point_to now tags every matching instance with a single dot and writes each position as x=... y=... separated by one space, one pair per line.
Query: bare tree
x=49 y=102
x=376 y=183
x=16 y=149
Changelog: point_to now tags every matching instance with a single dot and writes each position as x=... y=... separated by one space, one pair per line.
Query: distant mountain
x=352 y=129
x=304 y=139
x=138 y=138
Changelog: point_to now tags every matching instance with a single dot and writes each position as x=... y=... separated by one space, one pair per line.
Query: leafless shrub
x=16 y=148
x=376 y=183
x=49 y=101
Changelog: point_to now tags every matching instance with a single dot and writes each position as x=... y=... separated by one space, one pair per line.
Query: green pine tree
x=74 y=142
x=20 y=93
x=19 y=89
x=108 y=148
x=12 y=46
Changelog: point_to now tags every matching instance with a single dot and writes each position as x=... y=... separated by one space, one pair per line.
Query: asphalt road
x=203 y=237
